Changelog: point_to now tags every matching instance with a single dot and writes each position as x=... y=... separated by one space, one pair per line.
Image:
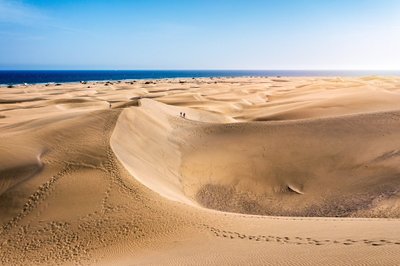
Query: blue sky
x=207 y=34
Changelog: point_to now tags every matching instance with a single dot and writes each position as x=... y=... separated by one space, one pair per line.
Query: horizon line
x=210 y=69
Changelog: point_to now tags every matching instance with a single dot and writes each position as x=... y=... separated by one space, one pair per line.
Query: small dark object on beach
x=58 y=84
x=106 y=84
x=47 y=84
x=83 y=82
x=10 y=86
x=278 y=77
x=148 y=82
x=182 y=82
x=88 y=87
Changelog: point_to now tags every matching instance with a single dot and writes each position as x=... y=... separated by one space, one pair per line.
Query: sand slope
x=139 y=185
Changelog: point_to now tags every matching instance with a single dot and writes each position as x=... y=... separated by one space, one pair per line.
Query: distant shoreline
x=19 y=77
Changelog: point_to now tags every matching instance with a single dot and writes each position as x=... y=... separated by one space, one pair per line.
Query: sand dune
x=325 y=172
x=232 y=183
x=18 y=167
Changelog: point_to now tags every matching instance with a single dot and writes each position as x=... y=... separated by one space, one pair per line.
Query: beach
x=201 y=171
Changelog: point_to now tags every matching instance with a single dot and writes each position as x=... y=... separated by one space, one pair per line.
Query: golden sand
x=261 y=171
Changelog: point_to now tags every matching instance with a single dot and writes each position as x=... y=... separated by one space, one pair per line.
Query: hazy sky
x=191 y=34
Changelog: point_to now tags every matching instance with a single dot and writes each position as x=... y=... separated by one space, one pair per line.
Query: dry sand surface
x=261 y=171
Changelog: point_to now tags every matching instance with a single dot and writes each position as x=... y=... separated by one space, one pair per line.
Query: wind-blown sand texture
x=262 y=171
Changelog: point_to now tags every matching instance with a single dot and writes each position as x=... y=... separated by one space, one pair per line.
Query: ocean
x=8 y=77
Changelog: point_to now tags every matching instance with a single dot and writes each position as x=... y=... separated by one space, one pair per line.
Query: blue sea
x=58 y=76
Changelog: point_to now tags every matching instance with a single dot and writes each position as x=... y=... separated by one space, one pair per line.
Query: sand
x=261 y=171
